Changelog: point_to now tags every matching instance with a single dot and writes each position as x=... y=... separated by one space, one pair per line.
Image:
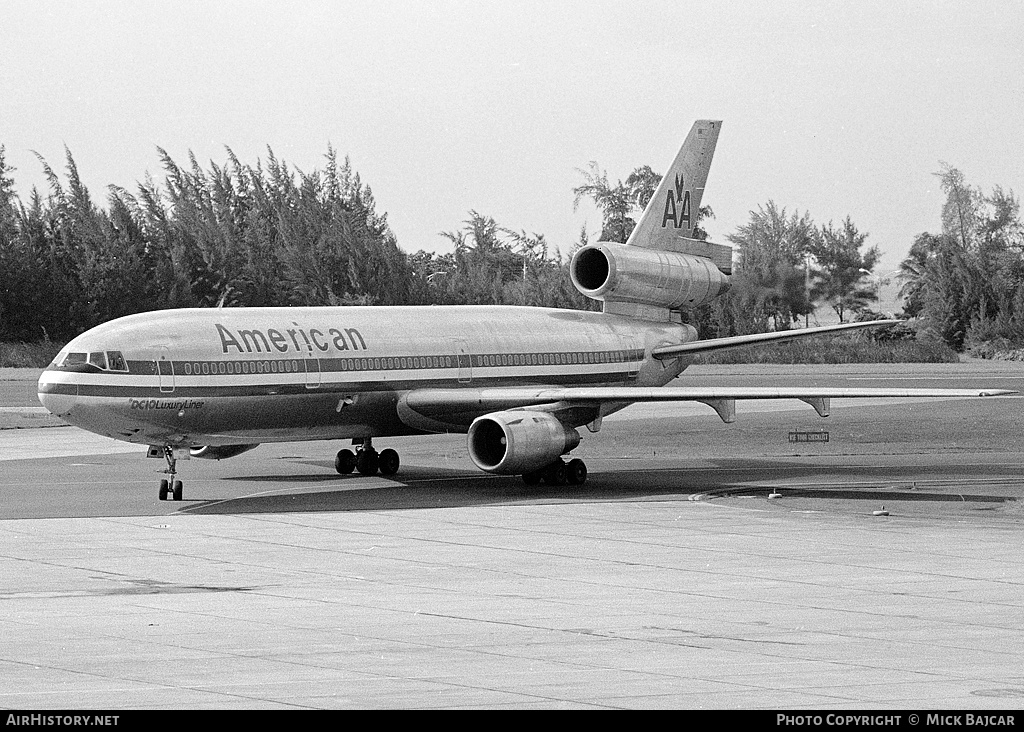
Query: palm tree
x=617 y=202
x=642 y=183
x=614 y=202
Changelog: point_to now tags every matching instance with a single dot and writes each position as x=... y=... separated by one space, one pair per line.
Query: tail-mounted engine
x=616 y=273
x=518 y=442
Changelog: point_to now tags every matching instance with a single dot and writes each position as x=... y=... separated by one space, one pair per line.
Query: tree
x=642 y=184
x=494 y=265
x=961 y=211
x=913 y=272
x=614 y=202
x=967 y=283
x=617 y=203
x=768 y=285
x=11 y=259
x=484 y=262
x=8 y=228
x=842 y=268
x=231 y=235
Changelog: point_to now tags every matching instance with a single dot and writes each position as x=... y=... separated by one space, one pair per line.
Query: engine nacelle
x=219 y=452
x=617 y=273
x=518 y=442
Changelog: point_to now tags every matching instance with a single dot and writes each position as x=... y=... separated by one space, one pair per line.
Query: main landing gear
x=367 y=460
x=559 y=473
x=170 y=486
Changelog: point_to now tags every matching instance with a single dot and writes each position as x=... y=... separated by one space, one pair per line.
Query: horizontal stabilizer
x=778 y=336
x=720 y=254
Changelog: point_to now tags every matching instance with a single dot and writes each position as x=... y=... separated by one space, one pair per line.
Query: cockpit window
x=105 y=360
x=115 y=361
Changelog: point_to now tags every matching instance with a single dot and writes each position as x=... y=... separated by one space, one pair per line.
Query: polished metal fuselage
x=247 y=375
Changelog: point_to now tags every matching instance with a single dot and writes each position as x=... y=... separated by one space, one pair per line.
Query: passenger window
x=115 y=361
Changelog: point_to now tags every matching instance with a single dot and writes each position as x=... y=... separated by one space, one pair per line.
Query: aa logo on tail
x=677 y=206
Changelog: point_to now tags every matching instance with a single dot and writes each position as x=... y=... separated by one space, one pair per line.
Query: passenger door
x=464 y=360
x=165 y=370
x=313 y=376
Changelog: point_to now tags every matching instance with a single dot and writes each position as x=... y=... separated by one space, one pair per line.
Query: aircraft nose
x=56 y=396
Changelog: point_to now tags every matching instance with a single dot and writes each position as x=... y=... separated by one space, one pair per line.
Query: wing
x=444 y=402
x=716 y=344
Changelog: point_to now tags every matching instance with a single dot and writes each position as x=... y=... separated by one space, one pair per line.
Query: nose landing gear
x=170 y=486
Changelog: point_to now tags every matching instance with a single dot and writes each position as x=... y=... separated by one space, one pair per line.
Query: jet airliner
x=519 y=381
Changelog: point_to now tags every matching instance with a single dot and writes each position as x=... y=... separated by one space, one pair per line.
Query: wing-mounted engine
x=219 y=452
x=645 y=283
x=519 y=441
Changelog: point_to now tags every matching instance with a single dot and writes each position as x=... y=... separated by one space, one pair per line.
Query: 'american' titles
x=288 y=339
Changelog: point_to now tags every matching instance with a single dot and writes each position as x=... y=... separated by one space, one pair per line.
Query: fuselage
x=235 y=376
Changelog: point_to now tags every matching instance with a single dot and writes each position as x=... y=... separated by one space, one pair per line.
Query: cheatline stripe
x=312 y=363
x=122 y=389
x=371 y=364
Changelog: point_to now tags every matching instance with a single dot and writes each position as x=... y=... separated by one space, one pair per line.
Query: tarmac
x=886 y=572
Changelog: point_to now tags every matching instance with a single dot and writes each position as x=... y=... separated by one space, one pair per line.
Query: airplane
x=518 y=381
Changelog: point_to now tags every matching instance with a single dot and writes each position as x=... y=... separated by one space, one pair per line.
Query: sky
x=831 y=108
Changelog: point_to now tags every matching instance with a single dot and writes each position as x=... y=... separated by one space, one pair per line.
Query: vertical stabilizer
x=670 y=218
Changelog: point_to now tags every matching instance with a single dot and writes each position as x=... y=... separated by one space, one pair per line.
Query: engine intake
x=518 y=442
x=618 y=273
x=220 y=452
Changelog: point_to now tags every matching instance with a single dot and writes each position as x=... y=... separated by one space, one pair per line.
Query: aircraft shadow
x=326 y=474
x=427 y=487
x=438 y=492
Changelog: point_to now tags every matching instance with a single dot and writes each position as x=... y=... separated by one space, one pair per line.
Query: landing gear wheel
x=367 y=462
x=170 y=486
x=345 y=462
x=576 y=472
x=388 y=462
x=555 y=474
x=533 y=478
